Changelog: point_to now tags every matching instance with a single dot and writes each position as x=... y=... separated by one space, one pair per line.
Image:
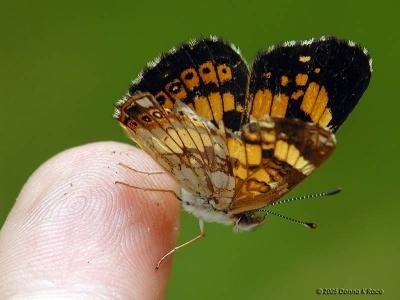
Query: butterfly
x=236 y=138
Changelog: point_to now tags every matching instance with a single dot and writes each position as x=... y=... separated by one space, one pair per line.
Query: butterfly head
x=248 y=222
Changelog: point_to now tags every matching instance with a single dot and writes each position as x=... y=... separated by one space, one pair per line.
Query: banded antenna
x=298 y=198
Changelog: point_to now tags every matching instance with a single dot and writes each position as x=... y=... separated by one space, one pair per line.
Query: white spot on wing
x=219 y=179
x=214 y=38
x=271 y=48
x=138 y=78
x=236 y=49
x=121 y=102
x=173 y=50
x=144 y=102
x=323 y=139
x=351 y=43
x=192 y=43
x=189 y=175
x=289 y=43
x=304 y=59
x=308 y=42
x=116 y=114
x=154 y=62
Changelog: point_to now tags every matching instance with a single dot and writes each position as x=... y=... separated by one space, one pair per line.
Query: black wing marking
x=209 y=75
x=318 y=80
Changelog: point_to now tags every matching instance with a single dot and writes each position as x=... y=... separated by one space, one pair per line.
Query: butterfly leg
x=141 y=172
x=148 y=189
x=198 y=237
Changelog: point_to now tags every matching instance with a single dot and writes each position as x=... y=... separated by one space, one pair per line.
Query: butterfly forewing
x=318 y=81
x=208 y=75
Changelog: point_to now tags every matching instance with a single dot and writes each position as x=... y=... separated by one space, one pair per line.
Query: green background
x=63 y=64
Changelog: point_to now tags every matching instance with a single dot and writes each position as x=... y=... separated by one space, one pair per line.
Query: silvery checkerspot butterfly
x=235 y=139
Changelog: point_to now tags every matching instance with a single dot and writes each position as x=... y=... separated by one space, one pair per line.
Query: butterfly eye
x=157 y=115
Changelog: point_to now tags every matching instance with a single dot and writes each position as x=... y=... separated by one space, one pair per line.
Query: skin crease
x=74 y=234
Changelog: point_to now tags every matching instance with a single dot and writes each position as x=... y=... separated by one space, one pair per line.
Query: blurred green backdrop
x=63 y=64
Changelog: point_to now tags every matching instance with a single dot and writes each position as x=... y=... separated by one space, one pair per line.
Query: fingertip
x=73 y=218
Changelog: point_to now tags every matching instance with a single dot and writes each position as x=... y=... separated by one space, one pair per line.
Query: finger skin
x=75 y=234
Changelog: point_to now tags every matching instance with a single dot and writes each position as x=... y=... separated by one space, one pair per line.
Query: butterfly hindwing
x=208 y=75
x=271 y=155
x=317 y=81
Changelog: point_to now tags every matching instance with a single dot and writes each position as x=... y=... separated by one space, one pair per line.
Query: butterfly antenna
x=306 y=224
x=305 y=197
x=298 y=198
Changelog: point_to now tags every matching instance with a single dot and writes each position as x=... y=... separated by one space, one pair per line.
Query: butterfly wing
x=209 y=75
x=318 y=81
x=271 y=155
x=184 y=144
x=245 y=147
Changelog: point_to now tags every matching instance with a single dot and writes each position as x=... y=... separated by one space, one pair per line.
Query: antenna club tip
x=311 y=225
x=335 y=191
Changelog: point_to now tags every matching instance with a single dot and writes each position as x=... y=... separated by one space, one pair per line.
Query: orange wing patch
x=325 y=118
x=207 y=73
x=279 y=105
x=297 y=94
x=284 y=80
x=164 y=99
x=203 y=108
x=190 y=79
x=224 y=73
x=309 y=98
x=277 y=92
x=261 y=103
x=176 y=90
x=301 y=79
x=315 y=101
x=229 y=101
x=319 y=105
x=272 y=155
x=216 y=106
